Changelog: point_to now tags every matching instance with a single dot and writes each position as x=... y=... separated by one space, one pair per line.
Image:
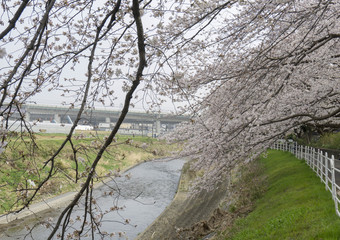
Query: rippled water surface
x=143 y=197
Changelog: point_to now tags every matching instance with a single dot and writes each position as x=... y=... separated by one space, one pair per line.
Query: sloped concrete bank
x=205 y=215
x=186 y=217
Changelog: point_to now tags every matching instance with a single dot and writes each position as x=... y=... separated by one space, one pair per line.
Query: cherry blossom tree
x=252 y=72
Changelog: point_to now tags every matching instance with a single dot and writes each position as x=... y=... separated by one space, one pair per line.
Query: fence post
x=318 y=163
x=326 y=170
x=308 y=155
x=303 y=151
x=313 y=158
x=316 y=159
x=291 y=147
x=333 y=182
x=334 y=194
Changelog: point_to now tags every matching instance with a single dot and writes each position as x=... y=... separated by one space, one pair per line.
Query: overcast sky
x=55 y=98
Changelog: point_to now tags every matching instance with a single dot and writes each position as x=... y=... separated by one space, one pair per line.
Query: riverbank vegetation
x=320 y=139
x=25 y=159
x=277 y=196
x=295 y=205
x=329 y=141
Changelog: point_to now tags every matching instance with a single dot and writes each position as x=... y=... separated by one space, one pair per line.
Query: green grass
x=330 y=141
x=295 y=205
x=22 y=162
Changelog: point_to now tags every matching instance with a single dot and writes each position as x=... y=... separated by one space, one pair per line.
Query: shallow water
x=143 y=197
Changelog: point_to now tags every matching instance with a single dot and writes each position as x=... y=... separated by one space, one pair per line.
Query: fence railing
x=320 y=162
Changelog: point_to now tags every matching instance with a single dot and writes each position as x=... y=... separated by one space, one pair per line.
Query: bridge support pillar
x=158 y=127
x=27 y=116
x=57 y=118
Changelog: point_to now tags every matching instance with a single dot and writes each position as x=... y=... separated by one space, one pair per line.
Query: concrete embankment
x=185 y=216
x=201 y=216
x=188 y=217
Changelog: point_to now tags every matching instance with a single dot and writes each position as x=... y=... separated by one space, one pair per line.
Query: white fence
x=323 y=165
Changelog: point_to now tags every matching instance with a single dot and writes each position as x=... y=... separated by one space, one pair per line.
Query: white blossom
x=31 y=183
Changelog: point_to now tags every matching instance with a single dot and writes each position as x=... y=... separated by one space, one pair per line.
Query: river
x=143 y=196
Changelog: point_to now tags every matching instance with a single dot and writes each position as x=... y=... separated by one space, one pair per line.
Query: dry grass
x=21 y=163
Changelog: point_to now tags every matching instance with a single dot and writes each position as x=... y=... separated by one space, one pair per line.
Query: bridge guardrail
x=320 y=162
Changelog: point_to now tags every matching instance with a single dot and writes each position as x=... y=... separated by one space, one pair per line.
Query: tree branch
x=128 y=97
x=15 y=18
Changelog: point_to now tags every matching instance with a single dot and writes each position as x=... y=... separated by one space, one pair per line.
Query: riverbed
x=140 y=197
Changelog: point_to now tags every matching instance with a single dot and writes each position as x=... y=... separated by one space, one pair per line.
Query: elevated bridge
x=139 y=123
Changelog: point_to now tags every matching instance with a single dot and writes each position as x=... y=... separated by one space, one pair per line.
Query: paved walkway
x=56 y=202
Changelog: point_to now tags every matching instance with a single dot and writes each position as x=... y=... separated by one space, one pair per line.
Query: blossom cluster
x=260 y=70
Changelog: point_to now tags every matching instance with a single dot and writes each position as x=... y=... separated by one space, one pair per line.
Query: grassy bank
x=294 y=206
x=329 y=141
x=23 y=163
